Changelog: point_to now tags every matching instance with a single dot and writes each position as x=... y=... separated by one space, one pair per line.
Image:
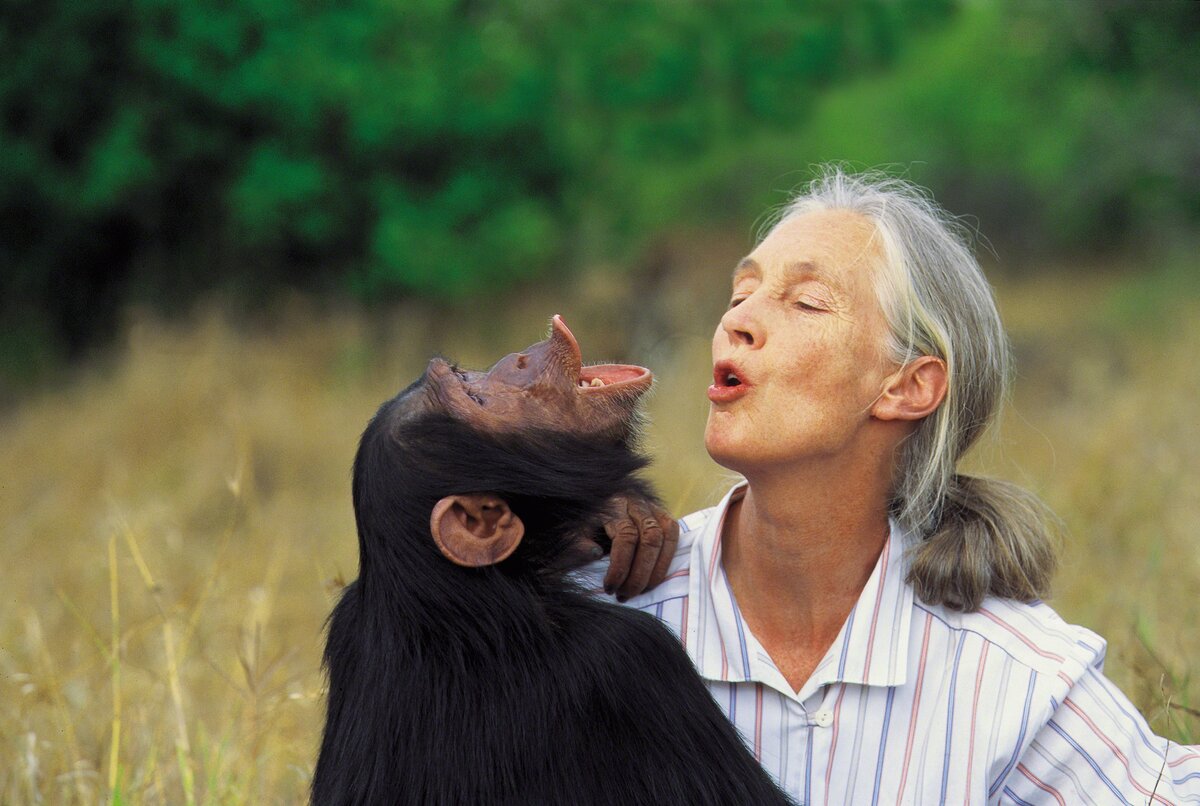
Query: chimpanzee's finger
x=649 y=547
x=670 y=530
x=584 y=550
x=623 y=533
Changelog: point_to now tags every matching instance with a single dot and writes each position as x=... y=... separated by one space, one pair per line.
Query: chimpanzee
x=465 y=666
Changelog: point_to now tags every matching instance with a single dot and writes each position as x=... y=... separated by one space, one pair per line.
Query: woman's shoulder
x=1032 y=634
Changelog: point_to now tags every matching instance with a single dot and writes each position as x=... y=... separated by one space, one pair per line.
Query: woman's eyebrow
x=746 y=268
x=793 y=273
x=803 y=270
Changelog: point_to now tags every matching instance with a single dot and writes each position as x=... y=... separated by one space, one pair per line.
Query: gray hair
x=977 y=536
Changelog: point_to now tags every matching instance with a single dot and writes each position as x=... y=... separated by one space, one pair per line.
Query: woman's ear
x=475 y=529
x=914 y=391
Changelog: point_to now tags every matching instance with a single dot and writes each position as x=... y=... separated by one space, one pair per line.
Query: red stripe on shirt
x=974 y=712
x=875 y=615
x=837 y=712
x=758 y=708
x=1022 y=637
x=912 y=725
x=1179 y=761
x=1040 y=784
x=1111 y=746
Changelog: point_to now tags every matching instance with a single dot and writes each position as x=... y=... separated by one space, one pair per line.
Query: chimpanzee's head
x=469 y=466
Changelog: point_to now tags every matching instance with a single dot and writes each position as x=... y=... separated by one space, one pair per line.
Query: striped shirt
x=920 y=704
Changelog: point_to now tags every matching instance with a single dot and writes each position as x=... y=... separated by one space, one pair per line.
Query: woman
x=868 y=617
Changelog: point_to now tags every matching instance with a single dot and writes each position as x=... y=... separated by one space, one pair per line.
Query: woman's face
x=799 y=356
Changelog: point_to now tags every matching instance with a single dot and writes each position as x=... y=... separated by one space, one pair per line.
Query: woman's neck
x=798 y=550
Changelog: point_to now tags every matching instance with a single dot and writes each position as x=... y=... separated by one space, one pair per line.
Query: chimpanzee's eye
x=462 y=376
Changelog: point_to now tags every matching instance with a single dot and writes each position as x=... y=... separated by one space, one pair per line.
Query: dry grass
x=175 y=520
x=1105 y=428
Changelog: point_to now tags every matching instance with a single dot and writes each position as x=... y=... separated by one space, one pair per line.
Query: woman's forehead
x=826 y=245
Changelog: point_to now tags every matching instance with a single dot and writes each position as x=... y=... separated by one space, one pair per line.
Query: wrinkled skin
x=547 y=384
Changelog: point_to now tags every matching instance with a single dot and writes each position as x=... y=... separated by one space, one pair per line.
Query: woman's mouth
x=728 y=384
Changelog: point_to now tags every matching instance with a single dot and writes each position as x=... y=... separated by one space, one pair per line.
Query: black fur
x=507 y=684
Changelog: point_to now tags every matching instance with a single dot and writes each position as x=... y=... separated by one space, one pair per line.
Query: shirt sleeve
x=1097 y=748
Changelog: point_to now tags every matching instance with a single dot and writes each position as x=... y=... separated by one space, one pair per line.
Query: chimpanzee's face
x=545 y=384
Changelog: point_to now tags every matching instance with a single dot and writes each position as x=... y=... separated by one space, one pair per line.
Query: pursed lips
x=729 y=383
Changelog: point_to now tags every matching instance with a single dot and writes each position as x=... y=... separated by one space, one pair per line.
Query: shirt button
x=824 y=718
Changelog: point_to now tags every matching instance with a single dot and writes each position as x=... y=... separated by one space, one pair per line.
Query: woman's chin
x=745 y=454
x=725 y=451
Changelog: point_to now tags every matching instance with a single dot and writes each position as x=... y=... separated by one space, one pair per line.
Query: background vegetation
x=228 y=231
x=151 y=150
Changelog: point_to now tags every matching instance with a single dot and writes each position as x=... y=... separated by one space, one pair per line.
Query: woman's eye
x=736 y=301
x=806 y=305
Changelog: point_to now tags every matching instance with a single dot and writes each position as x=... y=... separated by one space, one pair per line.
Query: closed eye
x=462 y=376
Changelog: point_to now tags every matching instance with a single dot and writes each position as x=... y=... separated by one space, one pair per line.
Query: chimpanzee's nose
x=515 y=369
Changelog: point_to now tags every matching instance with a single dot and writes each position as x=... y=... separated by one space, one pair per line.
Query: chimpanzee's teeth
x=597 y=382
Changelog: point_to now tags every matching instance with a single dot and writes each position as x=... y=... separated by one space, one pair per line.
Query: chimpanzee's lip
x=599 y=378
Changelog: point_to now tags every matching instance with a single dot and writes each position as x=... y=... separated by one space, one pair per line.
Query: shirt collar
x=871 y=648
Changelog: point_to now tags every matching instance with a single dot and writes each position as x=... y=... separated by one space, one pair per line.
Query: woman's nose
x=741 y=324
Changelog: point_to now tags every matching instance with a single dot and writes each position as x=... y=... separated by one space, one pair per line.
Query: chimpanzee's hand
x=643 y=539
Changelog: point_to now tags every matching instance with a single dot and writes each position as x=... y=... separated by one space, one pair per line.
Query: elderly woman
x=868 y=617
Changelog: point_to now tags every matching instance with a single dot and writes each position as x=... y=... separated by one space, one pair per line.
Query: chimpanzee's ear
x=475 y=529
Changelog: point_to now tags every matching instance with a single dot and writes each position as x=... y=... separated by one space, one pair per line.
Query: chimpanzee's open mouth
x=611 y=375
x=628 y=378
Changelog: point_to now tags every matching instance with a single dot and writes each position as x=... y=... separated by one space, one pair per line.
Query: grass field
x=175 y=518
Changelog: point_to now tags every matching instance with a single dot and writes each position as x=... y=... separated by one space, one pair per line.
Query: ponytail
x=992 y=539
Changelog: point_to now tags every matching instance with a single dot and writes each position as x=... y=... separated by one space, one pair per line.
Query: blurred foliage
x=151 y=150
x=1061 y=126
